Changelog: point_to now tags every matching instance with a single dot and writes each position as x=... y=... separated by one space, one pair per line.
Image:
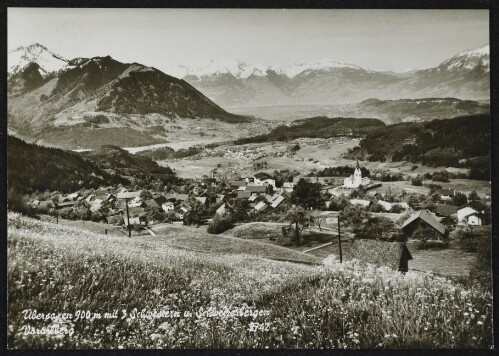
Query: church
x=356 y=180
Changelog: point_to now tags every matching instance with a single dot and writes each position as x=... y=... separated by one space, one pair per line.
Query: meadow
x=255 y=302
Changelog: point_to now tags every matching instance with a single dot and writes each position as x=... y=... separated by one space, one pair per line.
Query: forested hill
x=459 y=142
x=317 y=127
x=32 y=167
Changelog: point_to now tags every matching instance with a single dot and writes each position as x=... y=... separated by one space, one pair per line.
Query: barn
x=395 y=255
x=424 y=222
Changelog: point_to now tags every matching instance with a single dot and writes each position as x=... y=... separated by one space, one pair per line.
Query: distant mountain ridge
x=235 y=83
x=86 y=92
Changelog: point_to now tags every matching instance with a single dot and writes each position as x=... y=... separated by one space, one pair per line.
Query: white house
x=464 y=212
x=168 y=206
x=264 y=179
x=469 y=216
x=356 y=180
x=474 y=219
x=361 y=202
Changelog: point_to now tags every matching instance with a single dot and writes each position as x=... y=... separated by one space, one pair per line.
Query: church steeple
x=358 y=167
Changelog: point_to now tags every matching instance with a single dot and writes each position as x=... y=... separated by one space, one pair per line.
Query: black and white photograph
x=217 y=178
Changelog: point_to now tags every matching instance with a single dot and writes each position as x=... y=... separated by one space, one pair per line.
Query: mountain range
x=87 y=102
x=51 y=93
x=324 y=82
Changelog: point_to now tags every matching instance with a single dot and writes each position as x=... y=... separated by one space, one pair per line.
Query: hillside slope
x=291 y=296
x=462 y=141
x=31 y=167
x=317 y=127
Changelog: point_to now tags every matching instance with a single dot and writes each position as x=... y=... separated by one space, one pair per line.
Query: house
x=243 y=194
x=134 y=221
x=425 y=222
x=446 y=194
x=263 y=179
x=256 y=189
x=253 y=197
x=276 y=201
x=202 y=200
x=238 y=184
x=261 y=206
x=221 y=211
x=168 y=206
x=361 y=202
x=156 y=202
x=475 y=219
x=96 y=204
x=386 y=205
x=65 y=204
x=356 y=180
x=137 y=202
x=478 y=206
x=395 y=255
x=288 y=186
x=471 y=216
x=128 y=195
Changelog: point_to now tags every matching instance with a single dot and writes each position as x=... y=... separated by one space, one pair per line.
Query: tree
x=377 y=228
x=397 y=209
x=145 y=195
x=354 y=216
x=240 y=211
x=319 y=220
x=196 y=214
x=459 y=199
x=299 y=219
x=481 y=270
x=473 y=196
x=307 y=195
x=417 y=181
x=220 y=224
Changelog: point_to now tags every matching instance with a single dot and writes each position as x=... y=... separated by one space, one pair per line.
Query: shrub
x=481 y=271
x=417 y=181
x=397 y=209
x=469 y=238
x=220 y=224
x=430 y=244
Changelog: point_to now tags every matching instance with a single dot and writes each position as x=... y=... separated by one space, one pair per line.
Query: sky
x=395 y=40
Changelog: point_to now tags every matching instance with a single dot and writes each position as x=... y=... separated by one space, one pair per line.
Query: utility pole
x=128 y=219
x=339 y=239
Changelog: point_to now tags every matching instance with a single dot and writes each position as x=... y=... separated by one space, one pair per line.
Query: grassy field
x=267 y=304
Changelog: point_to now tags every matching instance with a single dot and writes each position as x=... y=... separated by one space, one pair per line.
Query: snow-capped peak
x=46 y=59
x=468 y=59
x=237 y=68
x=324 y=64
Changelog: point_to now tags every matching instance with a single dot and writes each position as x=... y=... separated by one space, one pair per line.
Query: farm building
x=395 y=255
x=261 y=206
x=446 y=194
x=424 y=224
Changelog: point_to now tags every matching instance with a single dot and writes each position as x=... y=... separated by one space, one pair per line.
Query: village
x=368 y=210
